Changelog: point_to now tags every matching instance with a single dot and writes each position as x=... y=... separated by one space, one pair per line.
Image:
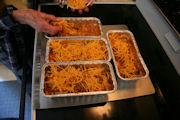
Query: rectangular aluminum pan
x=107 y=47
x=80 y=19
x=81 y=93
x=137 y=50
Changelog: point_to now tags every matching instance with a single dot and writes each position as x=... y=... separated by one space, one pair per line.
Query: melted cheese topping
x=77 y=50
x=77 y=3
x=62 y=79
x=78 y=27
x=125 y=54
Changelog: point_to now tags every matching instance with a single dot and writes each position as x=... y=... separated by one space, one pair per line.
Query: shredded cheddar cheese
x=125 y=54
x=77 y=3
x=62 y=79
x=77 y=50
x=78 y=27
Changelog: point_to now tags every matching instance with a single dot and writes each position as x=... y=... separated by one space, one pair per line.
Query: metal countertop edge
x=33 y=111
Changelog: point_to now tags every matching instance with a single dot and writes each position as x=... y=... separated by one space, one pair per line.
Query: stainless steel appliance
x=158 y=44
x=171 y=11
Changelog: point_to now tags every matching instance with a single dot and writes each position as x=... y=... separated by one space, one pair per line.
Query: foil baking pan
x=138 y=54
x=80 y=39
x=79 y=19
x=80 y=93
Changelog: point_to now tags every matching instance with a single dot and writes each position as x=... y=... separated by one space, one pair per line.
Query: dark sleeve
x=11 y=42
x=6 y=20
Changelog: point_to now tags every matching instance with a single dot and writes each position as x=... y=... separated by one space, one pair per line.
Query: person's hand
x=37 y=20
x=85 y=9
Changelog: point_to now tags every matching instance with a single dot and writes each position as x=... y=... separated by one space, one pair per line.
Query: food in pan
x=126 y=57
x=77 y=3
x=77 y=50
x=77 y=28
x=63 y=79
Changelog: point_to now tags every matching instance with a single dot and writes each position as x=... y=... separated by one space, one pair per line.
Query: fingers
x=49 y=17
x=86 y=9
x=44 y=26
x=73 y=10
x=80 y=11
x=91 y=4
x=52 y=30
x=47 y=28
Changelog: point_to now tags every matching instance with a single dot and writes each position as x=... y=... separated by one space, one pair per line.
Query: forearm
x=36 y=19
x=23 y=16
